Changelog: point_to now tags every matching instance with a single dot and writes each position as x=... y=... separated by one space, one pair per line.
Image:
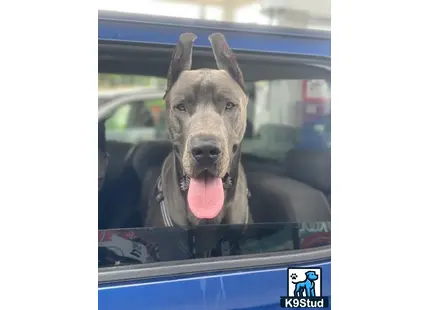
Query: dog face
x=311 y=275
x=206 y=109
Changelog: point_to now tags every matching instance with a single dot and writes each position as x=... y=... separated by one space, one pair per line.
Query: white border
x=381 y=160
x=381 y=187
x=48 y=133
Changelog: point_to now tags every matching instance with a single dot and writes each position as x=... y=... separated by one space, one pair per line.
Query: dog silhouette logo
x=304 y=282
x=304 y=289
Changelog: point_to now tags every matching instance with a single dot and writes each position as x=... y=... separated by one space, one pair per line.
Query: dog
x=307 y=285
x=202 y=180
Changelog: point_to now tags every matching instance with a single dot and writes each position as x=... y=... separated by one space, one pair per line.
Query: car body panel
x=258 y=289
x=131 y=28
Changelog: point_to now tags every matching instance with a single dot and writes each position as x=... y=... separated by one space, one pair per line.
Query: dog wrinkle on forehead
x=190 y=78
x=225 y=83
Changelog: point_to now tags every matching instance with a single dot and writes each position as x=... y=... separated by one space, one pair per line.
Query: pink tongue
x=206 y=197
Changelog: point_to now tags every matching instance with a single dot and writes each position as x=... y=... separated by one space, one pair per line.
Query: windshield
x=285 y=154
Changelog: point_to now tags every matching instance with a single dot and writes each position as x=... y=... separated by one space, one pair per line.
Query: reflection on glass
x=145 y=245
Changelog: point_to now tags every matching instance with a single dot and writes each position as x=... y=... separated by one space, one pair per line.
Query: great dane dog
x=202 y=180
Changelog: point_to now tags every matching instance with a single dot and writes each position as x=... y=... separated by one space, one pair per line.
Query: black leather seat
x=123 y=203
x=277 y=198
x=145 y=155
x=290 y=195
x=297 y=192
x=115 y=187
x=117 y=153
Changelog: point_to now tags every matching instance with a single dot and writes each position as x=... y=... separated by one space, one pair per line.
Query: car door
x=274 y=253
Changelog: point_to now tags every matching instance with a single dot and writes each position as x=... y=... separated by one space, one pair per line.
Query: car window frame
x=216 y=264
x=212 y=265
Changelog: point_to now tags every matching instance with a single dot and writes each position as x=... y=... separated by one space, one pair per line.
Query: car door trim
x=188 y=267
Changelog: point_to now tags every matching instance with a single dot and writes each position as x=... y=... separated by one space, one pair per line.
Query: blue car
x=284 y=256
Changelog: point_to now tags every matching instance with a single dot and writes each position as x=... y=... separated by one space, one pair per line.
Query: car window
x=279 y=118
x=118 y=121
x=285 y=157
x=136 y=120
x=119 y=247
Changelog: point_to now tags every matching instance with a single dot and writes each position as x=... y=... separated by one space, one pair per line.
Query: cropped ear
x=225 y=58
x=181 y=58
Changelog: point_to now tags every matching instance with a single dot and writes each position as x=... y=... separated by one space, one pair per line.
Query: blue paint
x=275 y=43
x=259 y=289
x=247 y=290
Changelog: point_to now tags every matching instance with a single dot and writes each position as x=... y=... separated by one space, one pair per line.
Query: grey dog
x=202 y=180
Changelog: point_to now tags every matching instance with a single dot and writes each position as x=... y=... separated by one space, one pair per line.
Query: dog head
x=206 y=113
x=311 y=275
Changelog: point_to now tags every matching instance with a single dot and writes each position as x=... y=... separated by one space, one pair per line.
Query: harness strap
x=160 y=199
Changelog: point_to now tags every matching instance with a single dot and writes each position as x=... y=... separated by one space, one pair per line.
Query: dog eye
x=180 y=107
x=229 y=106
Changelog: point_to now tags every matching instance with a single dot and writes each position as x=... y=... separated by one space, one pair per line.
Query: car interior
x=292 y=188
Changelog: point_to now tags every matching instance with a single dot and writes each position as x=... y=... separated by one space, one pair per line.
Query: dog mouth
x=205 y=195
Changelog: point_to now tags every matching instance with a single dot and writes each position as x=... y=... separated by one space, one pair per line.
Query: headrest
x=117 y=151
x=310 y=167
x=147 y=154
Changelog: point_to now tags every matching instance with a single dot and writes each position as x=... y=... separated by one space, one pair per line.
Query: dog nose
x=205 y=149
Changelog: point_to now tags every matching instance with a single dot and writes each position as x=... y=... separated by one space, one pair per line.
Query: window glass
x=286 y=159
x=279 y=118
x=118 y=247
x=118 y=121
x=137 y=120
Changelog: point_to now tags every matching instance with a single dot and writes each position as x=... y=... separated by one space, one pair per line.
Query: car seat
x=114 y=185
x=117 y=152
x=125 y=204
x=312 y=167
x=276 y=199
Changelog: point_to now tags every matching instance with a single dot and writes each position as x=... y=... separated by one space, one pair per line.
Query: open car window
x=285 y=155
x=277 y=119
